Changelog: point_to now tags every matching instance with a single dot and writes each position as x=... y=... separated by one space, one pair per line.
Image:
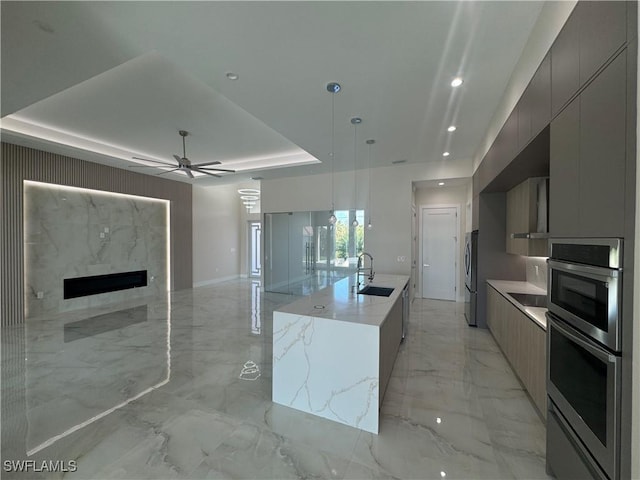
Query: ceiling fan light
x=248 y=191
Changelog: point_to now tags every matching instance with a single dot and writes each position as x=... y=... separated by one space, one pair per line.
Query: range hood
x=542 y=209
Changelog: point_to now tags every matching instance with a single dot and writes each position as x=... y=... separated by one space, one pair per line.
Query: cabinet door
x=603 y=30
x=541 y=97
x=525 y=108
x=493 y=314
x=564 y=170
x=602 y=152
x=565 y=64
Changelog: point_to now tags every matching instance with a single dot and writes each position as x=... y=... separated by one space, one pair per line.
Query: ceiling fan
x=184 y=164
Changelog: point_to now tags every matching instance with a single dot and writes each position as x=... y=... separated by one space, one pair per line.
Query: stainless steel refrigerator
x=471 y=277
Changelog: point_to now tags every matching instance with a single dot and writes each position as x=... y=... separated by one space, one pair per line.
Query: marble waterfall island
x=333 y=351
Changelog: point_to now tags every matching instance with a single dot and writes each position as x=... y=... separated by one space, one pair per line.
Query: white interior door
x=439 y=246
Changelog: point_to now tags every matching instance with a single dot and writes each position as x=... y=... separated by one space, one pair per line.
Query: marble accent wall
x=70 y=232
x=537 y=271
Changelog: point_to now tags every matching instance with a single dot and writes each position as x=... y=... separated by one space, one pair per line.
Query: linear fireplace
x=85 y=286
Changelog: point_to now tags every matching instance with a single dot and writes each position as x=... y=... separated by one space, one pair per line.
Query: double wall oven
x=583 y=358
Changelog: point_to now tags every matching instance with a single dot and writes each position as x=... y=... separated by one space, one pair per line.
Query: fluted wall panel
x=19 y=163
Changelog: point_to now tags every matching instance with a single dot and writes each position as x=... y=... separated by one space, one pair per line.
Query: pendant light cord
x=369 y=183
x=355 y=176
x=333 y=155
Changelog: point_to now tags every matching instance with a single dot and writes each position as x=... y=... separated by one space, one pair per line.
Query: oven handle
x=577 y=338
x=571 y=267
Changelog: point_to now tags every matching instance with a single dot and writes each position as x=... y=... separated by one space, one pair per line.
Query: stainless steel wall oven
x=583 y=354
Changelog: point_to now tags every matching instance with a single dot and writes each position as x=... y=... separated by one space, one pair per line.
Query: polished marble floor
x=181 y=388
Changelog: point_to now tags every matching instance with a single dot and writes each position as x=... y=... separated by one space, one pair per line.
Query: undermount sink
x=377 y=291
x=529 y=299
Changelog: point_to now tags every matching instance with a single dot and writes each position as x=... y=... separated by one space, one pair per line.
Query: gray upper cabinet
x=587 y=159
x=565 y=64
x=564 y=171
x=534 y=107
x=602 y=152
x=603 y=30
x=541 y=97
x=524 y=109
x=594 y=32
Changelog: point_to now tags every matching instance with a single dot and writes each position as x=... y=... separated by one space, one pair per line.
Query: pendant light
x=369 y=143
x=355 y=121
x=333 y=88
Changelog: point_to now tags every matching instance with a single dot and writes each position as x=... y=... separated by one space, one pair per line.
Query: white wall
x=216 y=234
x=391 y=197
x=444 y=196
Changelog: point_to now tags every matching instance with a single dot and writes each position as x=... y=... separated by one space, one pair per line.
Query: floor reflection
x=256 y=324
x=79 y=370
x=104 y=323
x=187 y=394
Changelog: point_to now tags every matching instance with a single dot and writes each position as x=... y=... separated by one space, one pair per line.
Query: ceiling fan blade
x=149 y=166
x=208 y=163
x=215 y=169
x=155 y=161
x=207 y=173
x=178 y=159
x=188 y=172
x=168 y=171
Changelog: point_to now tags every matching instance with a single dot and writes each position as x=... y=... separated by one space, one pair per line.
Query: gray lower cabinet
x=390 y=338
x=588 y=159
x=523 y=342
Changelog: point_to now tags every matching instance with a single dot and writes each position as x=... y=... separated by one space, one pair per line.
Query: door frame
x=457 y=250
x=249 y=248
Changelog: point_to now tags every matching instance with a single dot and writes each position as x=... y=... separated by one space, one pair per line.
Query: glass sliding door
x=303 y=253
x=276 y=252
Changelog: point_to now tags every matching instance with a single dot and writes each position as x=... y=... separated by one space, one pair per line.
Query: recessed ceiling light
x=232 y=76
x=456 y=82
x=249 y=197
x=440 y=183
x=249 y=191
x=452 y=128
x=445 y=154
x=356 y=120
x=249 y=203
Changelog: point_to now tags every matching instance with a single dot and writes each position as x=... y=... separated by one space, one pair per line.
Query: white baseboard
x=215 y=280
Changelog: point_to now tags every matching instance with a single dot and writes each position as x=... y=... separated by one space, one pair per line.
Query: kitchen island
x=333 y=351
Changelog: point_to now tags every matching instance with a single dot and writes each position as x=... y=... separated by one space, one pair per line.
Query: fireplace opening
x=85 y=286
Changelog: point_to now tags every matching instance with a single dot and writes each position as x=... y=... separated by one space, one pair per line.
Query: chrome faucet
x=362 y=270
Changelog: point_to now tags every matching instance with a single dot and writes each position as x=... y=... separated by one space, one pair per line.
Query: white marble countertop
x=340 y=302
x=537 y=314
